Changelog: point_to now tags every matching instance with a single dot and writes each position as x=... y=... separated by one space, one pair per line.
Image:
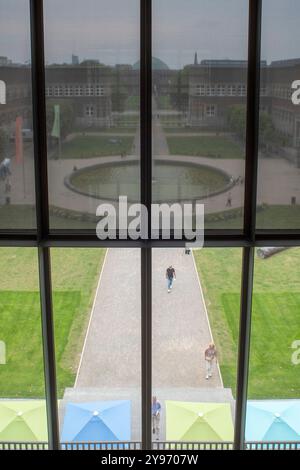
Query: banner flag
x=56 y=125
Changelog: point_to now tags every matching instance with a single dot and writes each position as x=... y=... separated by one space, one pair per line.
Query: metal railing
x=181 y=445
x=156 y=446
x=272 y=446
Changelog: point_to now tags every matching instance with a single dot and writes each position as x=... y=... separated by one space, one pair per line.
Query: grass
x=275 y=318
x=19 y=217
x=132 y=103
x=271 y=217
x=183 y=129
x=90 y=146
x=106 y=130
x=205 y=146
x=74 y=276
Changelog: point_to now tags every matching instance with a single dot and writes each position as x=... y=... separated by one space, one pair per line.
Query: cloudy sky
x=108 y=30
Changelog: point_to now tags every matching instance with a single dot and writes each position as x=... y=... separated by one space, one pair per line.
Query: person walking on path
x=210 y=356
x=170 y=276
x=229 y=200
x=155 y=411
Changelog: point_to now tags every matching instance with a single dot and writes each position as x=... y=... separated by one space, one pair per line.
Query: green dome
x=157 y=64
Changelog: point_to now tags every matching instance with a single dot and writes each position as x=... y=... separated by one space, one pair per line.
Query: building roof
x=157 y=64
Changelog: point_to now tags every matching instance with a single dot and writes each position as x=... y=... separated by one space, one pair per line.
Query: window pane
x=199 y=101
x=22 y=391
x=17 y=196
x=201 y=307
x=279 y=162
x=92 y=91
x=97 y=315
x=274 y=380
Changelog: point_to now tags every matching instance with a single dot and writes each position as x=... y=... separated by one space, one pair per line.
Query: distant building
x=4 y=61
x=75 y=59
x=199 y=95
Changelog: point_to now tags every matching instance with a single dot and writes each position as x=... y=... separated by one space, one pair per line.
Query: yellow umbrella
x=23 y=421
x=205 y=422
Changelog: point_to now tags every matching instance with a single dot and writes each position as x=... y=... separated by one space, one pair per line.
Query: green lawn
x=75 y=273
x=90 y=146
x=271 y=217
x=24 y=217
x=115 y=131
x=132 y=103
x=205 y=146
x=275 y=318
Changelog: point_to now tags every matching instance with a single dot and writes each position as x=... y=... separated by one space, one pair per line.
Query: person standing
x=210 y=356
x=155 y=411
x=170 y=276
x=229 y=200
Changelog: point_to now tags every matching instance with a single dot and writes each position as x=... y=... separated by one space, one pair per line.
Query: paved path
x=110 y=367
x=111 y=357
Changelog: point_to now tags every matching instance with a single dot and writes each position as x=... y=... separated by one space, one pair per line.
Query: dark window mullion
x=146 y=199
x=251 y=174
x=42 y=211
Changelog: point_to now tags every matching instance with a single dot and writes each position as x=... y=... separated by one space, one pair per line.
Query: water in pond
x=171 y=181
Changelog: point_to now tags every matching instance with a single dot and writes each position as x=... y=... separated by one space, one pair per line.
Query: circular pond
x=172 y=181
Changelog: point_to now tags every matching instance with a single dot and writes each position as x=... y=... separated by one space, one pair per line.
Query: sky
x=108 y=30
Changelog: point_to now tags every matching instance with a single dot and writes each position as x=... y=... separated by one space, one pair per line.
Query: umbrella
x=206 y=422
x=23 y=421
x=273 y=421
x=98 y=421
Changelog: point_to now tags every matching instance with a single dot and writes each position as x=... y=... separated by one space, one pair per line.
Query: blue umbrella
x=100 y=421
x=273 y=421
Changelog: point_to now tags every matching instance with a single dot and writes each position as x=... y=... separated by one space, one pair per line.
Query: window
x=281 y=143
x=22 y=388
x=93 y=117
x=200 y=90
x=274 y=384
x=152 y=327
x=210 y=111
x=89 y=111
x=99 y=90
x=231 y=90
x=89 y=90
x=17 y=187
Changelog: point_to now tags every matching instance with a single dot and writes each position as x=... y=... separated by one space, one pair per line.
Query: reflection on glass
x=22 y=391
x=199 y=106
x=279 y=157
x=196 y=304
x=97 y=335
x=274 y=379
x=17 y=197
x=92 y=92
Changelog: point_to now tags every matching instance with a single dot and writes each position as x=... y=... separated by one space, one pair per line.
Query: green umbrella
x=205 y=422
x=23 y=421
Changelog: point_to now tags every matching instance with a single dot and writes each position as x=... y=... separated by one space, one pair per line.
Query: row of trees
x=236 y=118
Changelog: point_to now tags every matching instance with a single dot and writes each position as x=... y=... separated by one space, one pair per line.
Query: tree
x=236 y=117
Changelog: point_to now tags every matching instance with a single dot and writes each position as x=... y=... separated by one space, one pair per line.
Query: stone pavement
x=110 y=365
x=111 y=356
